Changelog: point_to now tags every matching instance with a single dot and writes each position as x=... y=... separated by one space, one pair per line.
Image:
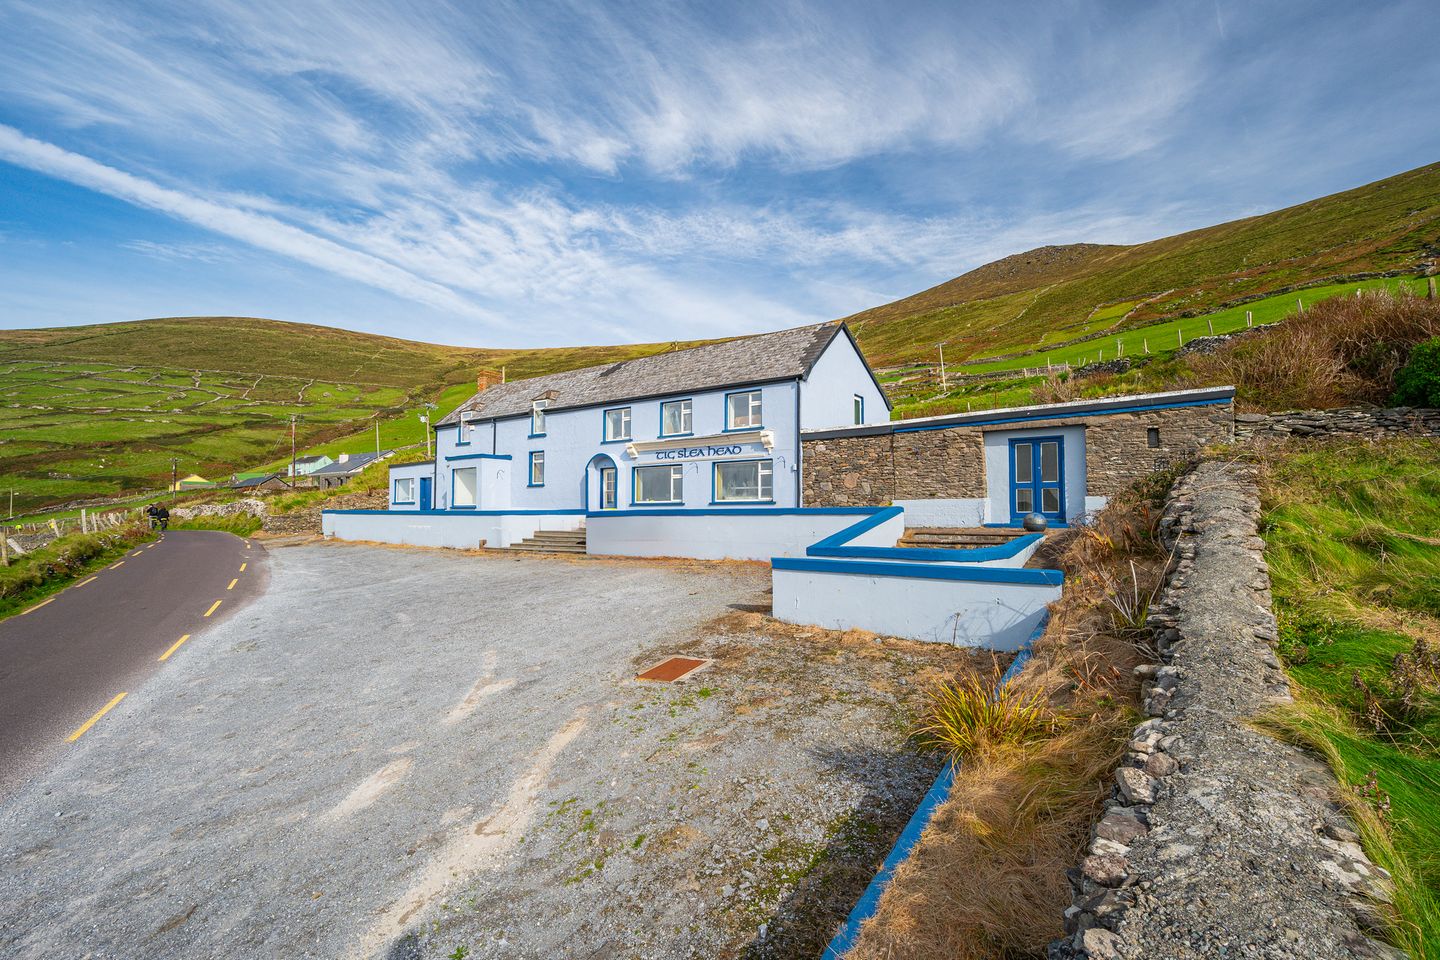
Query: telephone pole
x=293 y=417
x=174 y=478
x=377 y=434
x=944 y=383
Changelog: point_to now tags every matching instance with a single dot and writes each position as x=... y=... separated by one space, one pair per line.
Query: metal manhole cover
x=673 y=669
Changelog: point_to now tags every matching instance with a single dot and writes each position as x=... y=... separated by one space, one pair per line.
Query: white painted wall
x=994 y=616
x=573 y=438
x=458 y=529
x=997 y=470
x=720 y=537
x=827 y=396
x=412 y=471
x=946 y=513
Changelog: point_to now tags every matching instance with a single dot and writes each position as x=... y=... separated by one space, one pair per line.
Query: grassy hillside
x=1054 y=294
x=101 y=410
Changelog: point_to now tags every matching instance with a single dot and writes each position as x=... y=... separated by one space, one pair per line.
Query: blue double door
x=1037 y=478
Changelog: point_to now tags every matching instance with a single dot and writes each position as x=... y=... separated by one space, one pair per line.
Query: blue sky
x=521 y=174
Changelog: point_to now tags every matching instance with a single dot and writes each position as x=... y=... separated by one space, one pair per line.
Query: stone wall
x=1219 y=840
x=1342 y=421
x=949 y=463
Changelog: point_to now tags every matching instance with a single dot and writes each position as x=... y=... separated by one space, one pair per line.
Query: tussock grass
x=987 y=878
x=1350 y=534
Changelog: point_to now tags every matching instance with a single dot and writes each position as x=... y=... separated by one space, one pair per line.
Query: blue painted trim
x=905 y=844
x=715 y=475
x=470 y=511
x=1019 y=526
x=394 y=491
x=741 y=511
x=401 y=503
x=689 y=433
x=452 y=488
x=1066 y=416
x=647 y=504
x=968 y=573
x=465 y=507
x=605 y=426
x=721 y=503
x=530 y=469
x=842 y=537
x=471 y=456
x=925 y=554
x=725 y=412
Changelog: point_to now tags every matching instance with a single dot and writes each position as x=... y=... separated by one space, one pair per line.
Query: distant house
x=345 y=466
x=192 y=482
x=304 y=466
x=259 y=481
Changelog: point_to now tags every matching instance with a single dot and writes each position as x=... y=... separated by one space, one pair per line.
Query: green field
x=1165 y=338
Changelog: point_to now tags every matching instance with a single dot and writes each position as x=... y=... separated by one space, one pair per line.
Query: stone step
x=565 y=535
x=530 y=546
x=955 y=539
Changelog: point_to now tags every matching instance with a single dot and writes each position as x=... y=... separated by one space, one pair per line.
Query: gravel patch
x=399 y=753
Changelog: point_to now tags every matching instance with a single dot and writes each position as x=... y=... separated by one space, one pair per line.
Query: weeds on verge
x=970 y=717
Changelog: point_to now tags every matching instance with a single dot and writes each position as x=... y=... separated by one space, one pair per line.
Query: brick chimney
x=486 y=379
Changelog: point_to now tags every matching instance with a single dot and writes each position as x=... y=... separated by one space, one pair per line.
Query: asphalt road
x=66 y=659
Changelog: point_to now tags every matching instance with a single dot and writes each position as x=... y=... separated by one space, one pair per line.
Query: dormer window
x=537 y=417
x=466 y=431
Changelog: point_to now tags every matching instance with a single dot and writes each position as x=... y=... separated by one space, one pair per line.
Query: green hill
x=102 y=410
x=1055 y=294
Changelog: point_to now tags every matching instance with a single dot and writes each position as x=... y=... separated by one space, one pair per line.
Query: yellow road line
x=247 y=544
x=173 y=647
x=83 y=582
x=120 y=564
x=212 y=608
x=37 y=606
x=232 y=584
x=135 y=554
x=91 y=722
x=151 y=547
x=242 y=568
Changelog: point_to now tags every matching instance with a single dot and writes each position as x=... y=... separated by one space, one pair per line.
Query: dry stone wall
x=1220 y=841
x=1342 y=421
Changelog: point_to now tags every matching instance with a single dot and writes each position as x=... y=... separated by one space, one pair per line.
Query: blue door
x=425 y=493
x=1037 y=478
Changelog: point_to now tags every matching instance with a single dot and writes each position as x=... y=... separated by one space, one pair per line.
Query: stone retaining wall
x=1342 y=421
x=1220 y=841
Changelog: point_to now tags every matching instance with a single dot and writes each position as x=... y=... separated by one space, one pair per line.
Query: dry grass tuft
x=967 y=718
x=1347 y=349
x=987 y=878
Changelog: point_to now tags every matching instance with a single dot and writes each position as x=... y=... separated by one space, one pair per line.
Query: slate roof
x=356 y=463
x=254 y=481
x=765 y=357
x=311 y=459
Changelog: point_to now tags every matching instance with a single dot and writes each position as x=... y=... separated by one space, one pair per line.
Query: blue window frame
x=1037 y=477
x=404 y=490
x=464 y=430
x=537 y=418
x=661 y=485
x=742 y=481
x=677 y=418
x=744 y=411
x=616 y=425
x=537 y=468
x=859 y=403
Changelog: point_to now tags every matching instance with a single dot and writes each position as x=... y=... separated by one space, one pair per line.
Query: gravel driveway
x=408 y=753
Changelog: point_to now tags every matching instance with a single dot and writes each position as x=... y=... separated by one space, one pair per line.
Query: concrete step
x=530 y=546
x=955 y=539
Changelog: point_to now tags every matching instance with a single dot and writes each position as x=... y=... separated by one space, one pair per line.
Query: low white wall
x=996 y=616
x=723 y=536
x=458 y=529
x=946 y=513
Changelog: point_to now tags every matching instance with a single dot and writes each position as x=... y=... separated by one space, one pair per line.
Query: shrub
x=968 y=717
x=1418 y=384
x=1343 y=350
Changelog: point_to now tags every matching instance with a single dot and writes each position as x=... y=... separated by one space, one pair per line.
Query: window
x=742 y=410
x=537 y=418
x=675 y=419
x=617 y=424
x=404 y=490
x=537 y=468
x=465 y=431
x=859 y=409
x=1152 y=436
x=744 y=480
x=465 y=484
x=664 y=484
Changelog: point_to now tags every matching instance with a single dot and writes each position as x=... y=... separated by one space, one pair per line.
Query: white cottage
x=710 y=427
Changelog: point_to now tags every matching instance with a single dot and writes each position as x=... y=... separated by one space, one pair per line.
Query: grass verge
x=52 y=568
x=1355 y=564
x=240 y=524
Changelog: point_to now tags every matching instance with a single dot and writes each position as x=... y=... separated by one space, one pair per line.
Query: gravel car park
x=414 y=753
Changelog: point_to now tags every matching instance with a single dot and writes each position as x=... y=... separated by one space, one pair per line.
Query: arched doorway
x=602 y=483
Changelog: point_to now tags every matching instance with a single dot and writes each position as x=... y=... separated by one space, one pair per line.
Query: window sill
x=534 y=486
x=470 y=507
x=402 y=503
x=758 y=426
x=675 y=436
x=618 y=440
x=657 y=503
x=748 y=503
x=535 y=436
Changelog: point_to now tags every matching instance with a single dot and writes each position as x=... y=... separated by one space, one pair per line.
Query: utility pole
x=12 y=504
x=944 y=383
x=174 y=478
x=377 y=434
x=293 y=417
